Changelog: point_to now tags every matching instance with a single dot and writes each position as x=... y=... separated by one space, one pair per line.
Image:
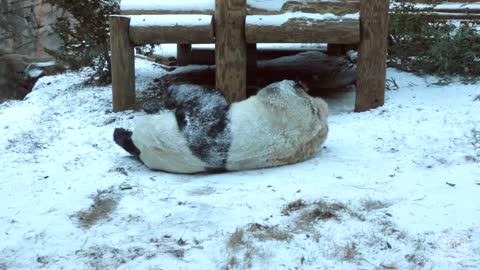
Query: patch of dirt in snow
x=104 y=203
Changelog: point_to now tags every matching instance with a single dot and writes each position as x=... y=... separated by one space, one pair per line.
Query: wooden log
x=180 y=29
x=166 y=11
x=372 y=61
x=231 y=49
x=123 y=64
x=303 y=30
x=184 y=54
x=320 y=7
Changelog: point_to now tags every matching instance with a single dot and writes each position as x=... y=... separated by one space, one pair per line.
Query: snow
x=452 y=6
x=273 y=5
x=35 y=73
x=170 y=20
x=386 y=169
x=166 y=5
x=283 y=18
x=458 y=5
x=170 y=49
x=45 y=64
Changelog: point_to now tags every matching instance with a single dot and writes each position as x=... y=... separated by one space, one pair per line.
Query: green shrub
x=84 y=31
x=425 y=45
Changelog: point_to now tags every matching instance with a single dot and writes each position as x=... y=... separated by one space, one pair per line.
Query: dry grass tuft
x=236 y=239
x=348 y=252
x=370 y=205
x=294 y=206
x=265 y=233
x=232 y=263
x=103 y=205
x=323 y=210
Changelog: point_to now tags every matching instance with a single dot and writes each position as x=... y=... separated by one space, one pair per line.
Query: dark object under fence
x=238 y=26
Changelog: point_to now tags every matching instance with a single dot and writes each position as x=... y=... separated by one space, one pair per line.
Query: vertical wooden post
x=251 y=68
x=372 y=58
x=184 y=54
x=231 y=49
x=123 y=64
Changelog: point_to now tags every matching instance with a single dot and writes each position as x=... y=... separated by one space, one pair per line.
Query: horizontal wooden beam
x=180 y=29
x=301 y=30
x=457 y=10
x=334 y=7
x=171 y=34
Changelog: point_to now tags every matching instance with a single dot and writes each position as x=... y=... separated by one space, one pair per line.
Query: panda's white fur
x=280 y=125
x=163 y=147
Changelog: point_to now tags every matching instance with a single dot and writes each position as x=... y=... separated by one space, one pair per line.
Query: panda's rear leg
x=123 y=138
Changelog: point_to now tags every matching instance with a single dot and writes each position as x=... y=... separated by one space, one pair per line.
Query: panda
x=197 y=130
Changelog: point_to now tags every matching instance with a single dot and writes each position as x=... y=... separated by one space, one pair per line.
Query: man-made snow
x=459 y=5
x=170 y=49
x=170 y=20
x=273 y=5
x=283 y=18
x=167 y=5
x=394 y=188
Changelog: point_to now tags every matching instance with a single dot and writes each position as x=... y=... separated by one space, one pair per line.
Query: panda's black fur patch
x=123 y=138
x=202 y=117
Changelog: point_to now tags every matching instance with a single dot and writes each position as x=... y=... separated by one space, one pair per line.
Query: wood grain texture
x=301 y=30
x=184 y=54
x=123 y=64
x=165 y=11
x=179 y=34
x=372 y=61
x=231 y=49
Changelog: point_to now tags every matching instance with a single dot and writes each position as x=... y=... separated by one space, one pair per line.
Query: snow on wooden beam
x=321 y=7
x=303 y=27
x=136 y=7
x=180 y=29
x=254 y=7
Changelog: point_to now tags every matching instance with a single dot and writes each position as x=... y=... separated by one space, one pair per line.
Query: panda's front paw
x=120 y=135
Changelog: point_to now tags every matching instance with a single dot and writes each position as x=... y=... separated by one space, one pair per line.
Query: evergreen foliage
x=425 y=45
x=84 y=31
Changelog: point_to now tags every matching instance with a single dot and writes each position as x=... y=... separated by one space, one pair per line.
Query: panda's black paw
x=123 y=138
x=120 y=135
x=151 y=107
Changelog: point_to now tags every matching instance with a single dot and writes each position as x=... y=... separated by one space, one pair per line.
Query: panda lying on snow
x=199 y=131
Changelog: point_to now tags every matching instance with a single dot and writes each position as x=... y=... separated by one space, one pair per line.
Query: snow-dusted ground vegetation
x=397 y=187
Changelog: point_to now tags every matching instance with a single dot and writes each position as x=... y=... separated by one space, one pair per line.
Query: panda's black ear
x=303 y=85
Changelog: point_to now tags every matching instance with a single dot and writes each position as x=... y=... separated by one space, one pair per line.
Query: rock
x=19 y=73
x=26 y=27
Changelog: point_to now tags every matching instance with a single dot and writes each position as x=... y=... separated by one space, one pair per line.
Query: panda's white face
x=202 y=132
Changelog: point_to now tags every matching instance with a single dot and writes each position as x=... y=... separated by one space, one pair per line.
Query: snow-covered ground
x=397 y=187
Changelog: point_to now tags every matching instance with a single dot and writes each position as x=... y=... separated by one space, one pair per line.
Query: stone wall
x=25 y=27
